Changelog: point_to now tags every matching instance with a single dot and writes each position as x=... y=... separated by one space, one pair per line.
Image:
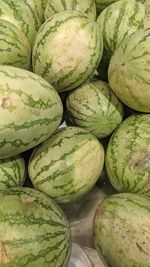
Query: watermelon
x=121 y=230
x=86 y=6
x=102 y=4
x=128 y=155
x=59 y=57
x=117 y=21
x=12 y=172
x=21 y=15
x=30 y=108
x=14 y=47
x=128 y=71
x=94 y=107
x=67 y=165
x=33 y=229
x=38 y=6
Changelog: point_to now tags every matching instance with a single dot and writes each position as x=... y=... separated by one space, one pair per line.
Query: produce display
x=74 y=133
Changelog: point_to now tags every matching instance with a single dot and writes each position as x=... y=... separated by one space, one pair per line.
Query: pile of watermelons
x=66 y=60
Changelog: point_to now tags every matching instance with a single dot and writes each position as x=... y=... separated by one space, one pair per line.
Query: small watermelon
x=86 y=6
x=33 y=229
x=59 y=57
x=94 y=107
x=128 y=155
x=121 y=230
x=67 y=165
x=12 y=172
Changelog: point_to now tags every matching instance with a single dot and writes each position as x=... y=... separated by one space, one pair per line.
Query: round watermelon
x=34 y=231
x=128 y=71
x=128 y=155
x=121 y=230
x=86 y=6
x=67 y=49
x=94 y=107
x=67 y=165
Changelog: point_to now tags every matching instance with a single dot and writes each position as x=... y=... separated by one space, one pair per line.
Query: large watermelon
x=128 y=71
x=128 y=155
x=34 y=231
x=30 y=109
x=67 y=49
x=14 y=47
x=121 y=230
x=67 y=165
x=86 y=6
x=21 y=15
x=117 y=21
x=94 y=107
x=12 y=172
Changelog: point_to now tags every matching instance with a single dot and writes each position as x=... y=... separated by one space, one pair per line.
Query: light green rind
x=95 y=108
x=12 y=172
x=33 y=229
x=86 y=6
x=30 y=108
x=59 y=57
x=67 y=165
x=129 y=71
x=121 y=230
x=128 y=155
x=38 y=6
x=21 y=15
x=117 y=21
x=14 y=47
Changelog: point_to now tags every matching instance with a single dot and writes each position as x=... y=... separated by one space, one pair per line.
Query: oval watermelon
x=59 y=57
x=117 y=21
x=94 y=107
x=34 y=231
x=30 y=109
x=128 y=155
x=21 y=15
x=14 y=47
x=86 y=6
x=12 y=172
x=121 y=230
x=67 y=165
x=128 y=71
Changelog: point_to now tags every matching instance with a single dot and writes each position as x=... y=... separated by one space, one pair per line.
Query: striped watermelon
x=121 y=230
x=67 y=165
x=86 y=6
x=30 y=109
x=59 y=57
x=12 y=172
x=33 y=229
x=38 y=6
x=21 y=15
x=102 y=4
x=14 y=47
x=117 y=21
x=94 y=107
x=128 y=155
x=128 y=72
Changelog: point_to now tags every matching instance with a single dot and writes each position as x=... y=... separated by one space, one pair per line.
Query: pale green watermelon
x=33 y=229
x=31 y=110
x=21 y=15
x=67 y=165
x=128 y=155
x=38 y=6
x=12 y=172
x=94 y=107
x=86 y=6
x=128 y=72
x=67 y=50
x=121 y=230
x=14 y=47
x=102 y=4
